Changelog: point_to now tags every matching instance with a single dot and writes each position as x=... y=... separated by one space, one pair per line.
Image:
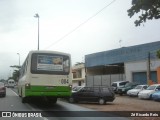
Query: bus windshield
x=44 y=63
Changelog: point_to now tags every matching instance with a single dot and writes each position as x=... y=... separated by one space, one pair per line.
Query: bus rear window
x=50 y=64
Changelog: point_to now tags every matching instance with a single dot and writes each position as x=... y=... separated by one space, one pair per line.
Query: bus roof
x=48 y=51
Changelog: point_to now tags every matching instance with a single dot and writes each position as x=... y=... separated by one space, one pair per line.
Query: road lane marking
x=43 y=118
x=14 y=92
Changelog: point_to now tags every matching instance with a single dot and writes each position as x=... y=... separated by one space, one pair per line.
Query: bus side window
x=23 y=69
x=26 y=64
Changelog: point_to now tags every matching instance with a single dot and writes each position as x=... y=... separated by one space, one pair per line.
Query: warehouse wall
x=139 y=66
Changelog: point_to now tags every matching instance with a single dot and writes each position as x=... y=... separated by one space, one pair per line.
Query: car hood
x=134 y=90
x=120 y=87
x=157 y=93
x=147 y=91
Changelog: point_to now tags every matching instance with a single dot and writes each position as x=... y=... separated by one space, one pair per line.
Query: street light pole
x=37 y=16
x=19 y=59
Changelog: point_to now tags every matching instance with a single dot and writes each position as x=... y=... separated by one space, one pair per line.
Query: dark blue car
x=156 y=96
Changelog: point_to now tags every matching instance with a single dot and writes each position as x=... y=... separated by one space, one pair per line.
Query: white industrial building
x=135 y=63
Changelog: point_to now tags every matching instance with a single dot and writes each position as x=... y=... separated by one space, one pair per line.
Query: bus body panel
x=50 y=80
x=57 y=91
x=47 y=85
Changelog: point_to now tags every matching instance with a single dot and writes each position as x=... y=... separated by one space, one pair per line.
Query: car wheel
x=101 y=101
x=150 y=97
x=71 y=100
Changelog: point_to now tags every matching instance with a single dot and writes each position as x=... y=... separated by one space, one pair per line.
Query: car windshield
x=114 y=84
x=76 y=88
x=151 y=87
x=128 y=84
x=138 y=87
x=122 y=83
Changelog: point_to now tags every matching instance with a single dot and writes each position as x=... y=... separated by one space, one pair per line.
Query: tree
x=15 y=74
x=158 y=53
x=150 y=9
x=16 y=66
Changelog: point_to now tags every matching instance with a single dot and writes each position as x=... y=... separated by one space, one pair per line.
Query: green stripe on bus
x=58 y=91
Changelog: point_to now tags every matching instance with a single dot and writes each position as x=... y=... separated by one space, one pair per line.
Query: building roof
x=78 y=66
x=121 y=55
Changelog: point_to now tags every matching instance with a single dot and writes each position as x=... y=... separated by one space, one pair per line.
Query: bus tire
x=19 y=93
x=71 y=100
x=23 y=99
x=54 y=101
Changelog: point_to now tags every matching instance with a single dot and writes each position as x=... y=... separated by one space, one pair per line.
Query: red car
x=2 y=89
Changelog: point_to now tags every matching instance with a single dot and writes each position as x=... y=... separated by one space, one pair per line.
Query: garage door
x=154 y=76
x=141 y=77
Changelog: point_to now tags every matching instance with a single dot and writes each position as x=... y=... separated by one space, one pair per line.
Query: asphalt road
x=60 y=111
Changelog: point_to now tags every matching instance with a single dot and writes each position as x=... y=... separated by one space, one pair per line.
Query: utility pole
x=37 y=16
x=19 y=60
x=149 y=68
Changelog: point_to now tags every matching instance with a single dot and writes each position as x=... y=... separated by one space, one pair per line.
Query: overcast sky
x=81 y=27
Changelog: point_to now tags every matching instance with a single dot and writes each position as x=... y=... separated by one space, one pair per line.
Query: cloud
x=7 y=15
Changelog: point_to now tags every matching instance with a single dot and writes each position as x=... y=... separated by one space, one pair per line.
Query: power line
x=81 y=24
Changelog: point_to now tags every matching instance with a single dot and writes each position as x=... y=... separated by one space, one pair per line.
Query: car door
x=82 y=94
x=91 y=95
x=87 y=94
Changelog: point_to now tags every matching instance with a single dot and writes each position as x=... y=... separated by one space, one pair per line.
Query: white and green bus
x=45 y=74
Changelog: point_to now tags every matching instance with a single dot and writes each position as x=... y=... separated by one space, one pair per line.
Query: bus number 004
x=64 y=81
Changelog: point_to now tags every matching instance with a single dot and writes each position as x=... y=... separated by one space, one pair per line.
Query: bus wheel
x=71 y=100
x=52 y=100
x=24 y=99
x=19 y=93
